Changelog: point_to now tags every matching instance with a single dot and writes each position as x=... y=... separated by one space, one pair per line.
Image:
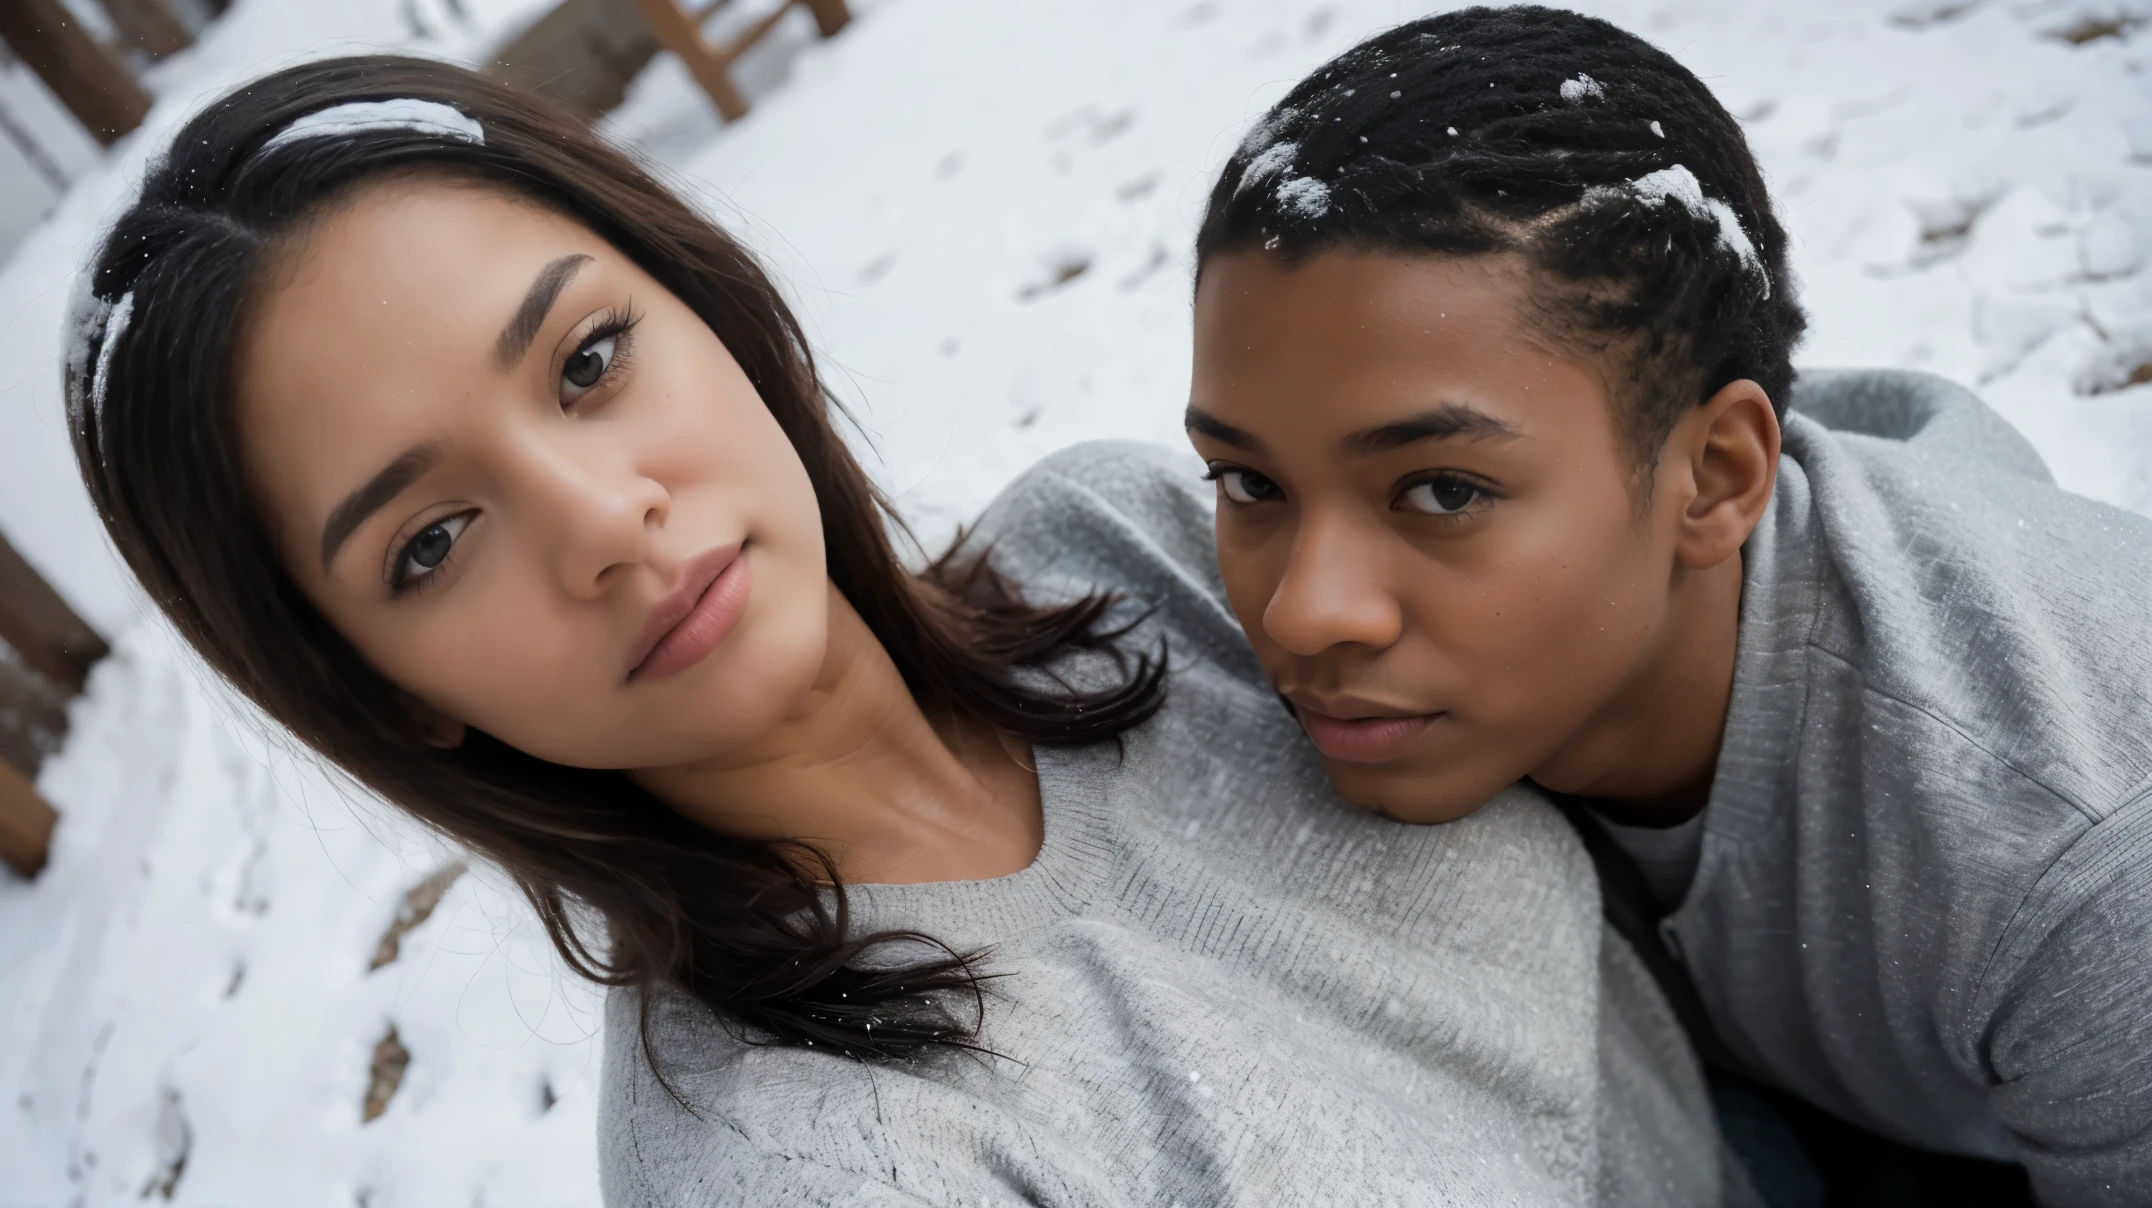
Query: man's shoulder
x=1960 y=582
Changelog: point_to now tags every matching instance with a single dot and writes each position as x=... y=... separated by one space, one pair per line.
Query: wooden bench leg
x=677 y=32
x=829 y=15
x=44 y=631
x=25 y=823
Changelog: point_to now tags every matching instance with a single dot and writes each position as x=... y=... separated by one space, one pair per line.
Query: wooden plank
x=84 y=74
x=26 y=823
x=44 y=631
x=33 y=714
x=829 y=15
x=150 y=25
x=751 y=35
x=677 y=32
x=581 y=53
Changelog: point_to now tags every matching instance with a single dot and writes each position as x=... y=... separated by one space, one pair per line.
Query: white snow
x=1275 y=159
x=983 y=211
x=115 y=326
x=1578 y=89
x=1305 y=196
x=1680 y=186
x=402 y=113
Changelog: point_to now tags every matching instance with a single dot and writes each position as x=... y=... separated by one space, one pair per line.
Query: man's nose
x=1334 y=590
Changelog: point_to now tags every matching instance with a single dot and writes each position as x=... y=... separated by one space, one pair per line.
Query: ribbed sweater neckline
x=1073 y=862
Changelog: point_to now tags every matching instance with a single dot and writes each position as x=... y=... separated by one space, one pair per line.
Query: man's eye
x=1441 y=496
x=587 y=367
x=1247 y=486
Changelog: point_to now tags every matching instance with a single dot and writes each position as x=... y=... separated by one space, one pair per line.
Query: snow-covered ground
x=983 y=209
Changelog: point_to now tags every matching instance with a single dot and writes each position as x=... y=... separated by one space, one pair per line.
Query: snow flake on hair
x=1267 y=131
x=1679 y=185
x=1304 y=197
x=115 y=327
x=1274 y=160
x=1575 y=91
x=366 y=117
x=86 y=314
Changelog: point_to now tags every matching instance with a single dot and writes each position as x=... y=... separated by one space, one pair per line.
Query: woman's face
x=529 y=484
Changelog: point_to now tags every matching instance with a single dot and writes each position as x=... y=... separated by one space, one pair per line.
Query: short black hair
x=1609 y=166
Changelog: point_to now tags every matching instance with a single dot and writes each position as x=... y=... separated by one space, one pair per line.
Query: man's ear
x=1728 y=448
x=435 y=728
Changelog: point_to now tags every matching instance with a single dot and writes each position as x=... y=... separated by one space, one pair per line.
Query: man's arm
x=2069 y=1037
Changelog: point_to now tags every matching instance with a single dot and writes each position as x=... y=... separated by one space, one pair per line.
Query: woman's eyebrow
x=523 y=328
x=346 y=517
x=1442 y=422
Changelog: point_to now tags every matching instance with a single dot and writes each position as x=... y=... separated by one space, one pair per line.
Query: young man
x=1491 y=368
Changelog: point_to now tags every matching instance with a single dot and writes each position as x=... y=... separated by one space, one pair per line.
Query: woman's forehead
x=381 y=330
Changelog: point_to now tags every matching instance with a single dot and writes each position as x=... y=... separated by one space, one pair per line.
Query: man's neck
x=1649 y=755
x=860 y=772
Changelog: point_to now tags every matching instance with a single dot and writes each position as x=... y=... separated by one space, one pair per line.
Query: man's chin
x=1403 y=794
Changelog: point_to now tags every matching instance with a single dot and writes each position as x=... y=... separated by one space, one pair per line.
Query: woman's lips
x=1362 y=739
x=712 y=597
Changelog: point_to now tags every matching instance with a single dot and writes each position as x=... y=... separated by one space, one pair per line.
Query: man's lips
x=1360 y=731
x=694 y=616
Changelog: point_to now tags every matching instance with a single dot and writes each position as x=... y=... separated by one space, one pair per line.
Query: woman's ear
x=1729 y=446
x=435 y=728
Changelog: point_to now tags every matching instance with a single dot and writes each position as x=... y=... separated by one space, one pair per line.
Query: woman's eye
x=1247 y=486
x=424 y=553
x=1442 y=496
x=587 y=367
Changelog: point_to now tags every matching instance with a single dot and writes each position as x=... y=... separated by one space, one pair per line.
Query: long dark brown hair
x=755 y=930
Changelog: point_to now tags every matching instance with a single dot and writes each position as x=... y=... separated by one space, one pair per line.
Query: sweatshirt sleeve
x=2070 y=1037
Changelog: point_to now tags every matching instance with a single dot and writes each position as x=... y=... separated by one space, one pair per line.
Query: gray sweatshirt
x=1224 y=984
x=1924 y=897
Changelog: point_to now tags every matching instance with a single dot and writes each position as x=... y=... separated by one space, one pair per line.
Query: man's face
x=1429 y=524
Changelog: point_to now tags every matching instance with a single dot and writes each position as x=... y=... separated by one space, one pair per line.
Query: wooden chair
x=54 y=651
x=679 y=30
x=582 y=53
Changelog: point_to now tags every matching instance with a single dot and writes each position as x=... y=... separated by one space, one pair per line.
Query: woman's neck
x=863 y=774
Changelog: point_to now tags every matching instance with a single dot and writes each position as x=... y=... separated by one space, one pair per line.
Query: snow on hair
x=115 y=327
x=1304 y=196
x=1274 y=160
x=1679 y=185
x=1266 y=131
x=365 y=117
x=86 y=314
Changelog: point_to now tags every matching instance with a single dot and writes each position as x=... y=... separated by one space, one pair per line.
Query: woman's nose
x=1333 y=591
x=596 y=512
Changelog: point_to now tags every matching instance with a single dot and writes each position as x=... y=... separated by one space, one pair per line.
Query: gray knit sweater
x=1224 y=985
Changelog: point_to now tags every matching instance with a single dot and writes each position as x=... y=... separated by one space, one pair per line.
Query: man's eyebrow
x=1203 y=423
x=517 y=336
x=1443 y=422
x=346 y=517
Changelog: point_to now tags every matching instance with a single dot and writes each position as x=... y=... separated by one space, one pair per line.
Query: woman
x=504 y=480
